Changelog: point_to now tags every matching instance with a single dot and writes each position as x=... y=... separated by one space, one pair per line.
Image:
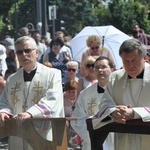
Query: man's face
x=136 y=28
x=102 y=71
x=37 y=38
x=133 y=62
x=61 y=36
x=26 y=59
x=25 y=32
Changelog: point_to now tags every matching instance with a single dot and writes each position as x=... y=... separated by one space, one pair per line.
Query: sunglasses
x=96 y=47
x=26 y=51
x=90 y=65
x=70 y=69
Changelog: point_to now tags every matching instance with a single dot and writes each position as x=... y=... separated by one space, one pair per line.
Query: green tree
x=124 y=14
x=77 y=14
x=5 y=6
x=26 y=12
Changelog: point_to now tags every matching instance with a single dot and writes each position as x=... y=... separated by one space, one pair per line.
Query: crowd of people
x=40 y=78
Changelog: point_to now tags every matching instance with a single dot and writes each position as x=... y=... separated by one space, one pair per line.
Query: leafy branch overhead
x=14 y=14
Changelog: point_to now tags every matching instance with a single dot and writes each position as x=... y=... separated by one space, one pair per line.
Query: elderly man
x=127 y=95
x=41 y=47
x=25 y=31
x=89 y=99
x=33 y=91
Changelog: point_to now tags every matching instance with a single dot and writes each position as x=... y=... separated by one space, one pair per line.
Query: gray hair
x=72 y=63
x=24 y=28
x=26 y=38
x=131 y=45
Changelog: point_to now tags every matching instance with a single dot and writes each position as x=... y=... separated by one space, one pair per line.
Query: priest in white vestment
x=127 y=96
x=33 y=91
x=88 y=101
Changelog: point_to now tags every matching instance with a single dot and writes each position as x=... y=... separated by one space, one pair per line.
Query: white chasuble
x=40 y=98
x=87 y=105
x=132 y=95
x=124 y=91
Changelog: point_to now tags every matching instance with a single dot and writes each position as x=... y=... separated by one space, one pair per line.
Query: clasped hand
x=20 y=118
x=122 y=114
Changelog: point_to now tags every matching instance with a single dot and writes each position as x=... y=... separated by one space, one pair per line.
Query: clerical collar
x=100 y=89
x=140 y=76
x=29 y=76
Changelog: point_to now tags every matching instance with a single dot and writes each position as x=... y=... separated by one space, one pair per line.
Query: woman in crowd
x=89 y=79
x=56 y=57
x=95 y=49
x=11 y=59
x=70 y=97
x=72 y=70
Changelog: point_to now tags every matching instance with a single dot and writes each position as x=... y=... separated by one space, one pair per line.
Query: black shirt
x=100 y=89
x=29 y=76
x=140 y=76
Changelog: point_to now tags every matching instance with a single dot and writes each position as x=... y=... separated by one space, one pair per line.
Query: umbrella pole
x=102 y=44
x=103 y=41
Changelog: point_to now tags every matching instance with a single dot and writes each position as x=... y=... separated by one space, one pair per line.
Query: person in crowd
x=127 y=95
x=2 y=84
x=33 y=91
x=148 y=58
x=25 y=31
x=46 y=42
x=89 y=99
x=56 y=57
x=95 y=49
x=67 y=40
x=60 y=35
x=11 y=59
x=139 y=34
x=41 y=47
x=3 y=64
x=72 y=70
x=8 y=72
x=89 y=79
x=64 y=48
x=70 y=97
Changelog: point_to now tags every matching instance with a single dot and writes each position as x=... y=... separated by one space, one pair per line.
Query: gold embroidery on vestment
x=15 y=89
x=38 y=92
x=24 y=107
x=91 y=105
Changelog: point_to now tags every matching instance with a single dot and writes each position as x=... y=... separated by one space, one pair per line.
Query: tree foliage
x=124 y=14
x=5 y=6
x=77 y=14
